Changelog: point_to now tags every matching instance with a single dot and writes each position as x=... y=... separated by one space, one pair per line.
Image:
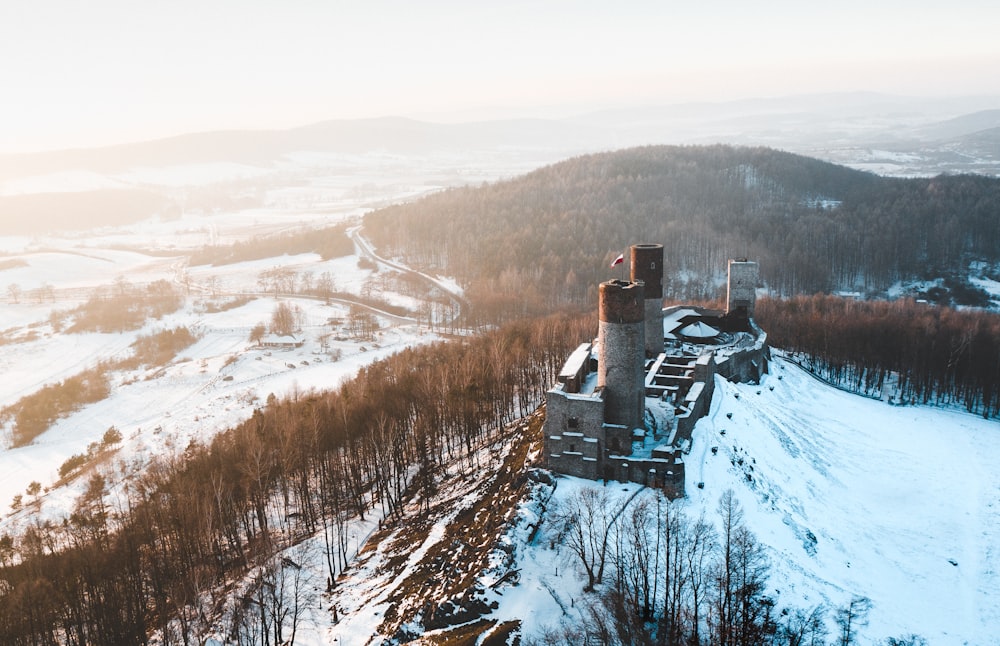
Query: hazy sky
x=76 y=73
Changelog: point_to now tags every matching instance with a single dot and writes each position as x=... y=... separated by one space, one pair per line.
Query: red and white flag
x=619 y=260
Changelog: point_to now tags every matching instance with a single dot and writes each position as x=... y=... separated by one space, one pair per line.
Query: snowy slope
x=903 y=502
x=851 y=496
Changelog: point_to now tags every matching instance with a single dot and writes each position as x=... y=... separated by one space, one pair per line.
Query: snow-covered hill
x=851 y=497
x=903 y=502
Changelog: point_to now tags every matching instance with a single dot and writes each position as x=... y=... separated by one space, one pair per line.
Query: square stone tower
x=647 y=268
x=741 y=290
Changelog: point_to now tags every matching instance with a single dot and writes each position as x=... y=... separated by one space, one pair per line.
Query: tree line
x=545 y=239
x=904 y=349
x=328 y=242
x=42 y=213
x=33 y=414
x=156 y=555
x=119 y=307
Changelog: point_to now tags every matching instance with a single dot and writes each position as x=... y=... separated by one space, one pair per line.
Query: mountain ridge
x=798 y=122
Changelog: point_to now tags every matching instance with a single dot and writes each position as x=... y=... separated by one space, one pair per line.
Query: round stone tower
x=647 y=266
x=621 y=356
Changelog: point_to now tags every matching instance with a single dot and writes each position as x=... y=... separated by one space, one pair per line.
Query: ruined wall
x=574 y=433
x=746 y=365
x=666 y=473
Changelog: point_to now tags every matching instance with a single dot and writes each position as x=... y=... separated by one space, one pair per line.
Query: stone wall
x=647 y=267
x=746 y=365
x=574 y=433
x=666 y=473
x=741 y=288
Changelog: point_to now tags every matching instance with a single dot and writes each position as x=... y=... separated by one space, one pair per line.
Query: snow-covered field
x=218 y=381
x=212 y=385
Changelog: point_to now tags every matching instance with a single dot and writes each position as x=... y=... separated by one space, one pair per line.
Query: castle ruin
x=625 y=404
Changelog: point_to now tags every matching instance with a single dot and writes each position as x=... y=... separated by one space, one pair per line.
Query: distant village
x=626 y=403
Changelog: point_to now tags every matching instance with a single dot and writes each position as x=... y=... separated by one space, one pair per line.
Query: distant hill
x=962 y=126
x=984 y=143
x=39 y=212
x=547 y=237
x=262 y=147
x=828 y=126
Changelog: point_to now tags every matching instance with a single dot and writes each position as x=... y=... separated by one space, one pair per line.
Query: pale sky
x=79 y=73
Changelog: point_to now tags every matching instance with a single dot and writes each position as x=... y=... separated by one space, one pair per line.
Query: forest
x=912 y=352
x=524 y=245
x=119 y=307
x=544 y=240
x=157 y=558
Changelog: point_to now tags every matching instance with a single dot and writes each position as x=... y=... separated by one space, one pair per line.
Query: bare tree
x=851 y=617
x=282 y=319
x=585 y=522
x=805 y=628
x=257 y=333
x=14 y=293
x=277 y=279
x=908 y=640
x=740 y=611
x=700 y=544
x=325 y=285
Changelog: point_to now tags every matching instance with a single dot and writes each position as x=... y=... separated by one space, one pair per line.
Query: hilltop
x=813 y=226
x=915 y=535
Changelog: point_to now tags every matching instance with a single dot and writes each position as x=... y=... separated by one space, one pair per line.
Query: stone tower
x=741 y=290
x=647 y=267
x=621 y=357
